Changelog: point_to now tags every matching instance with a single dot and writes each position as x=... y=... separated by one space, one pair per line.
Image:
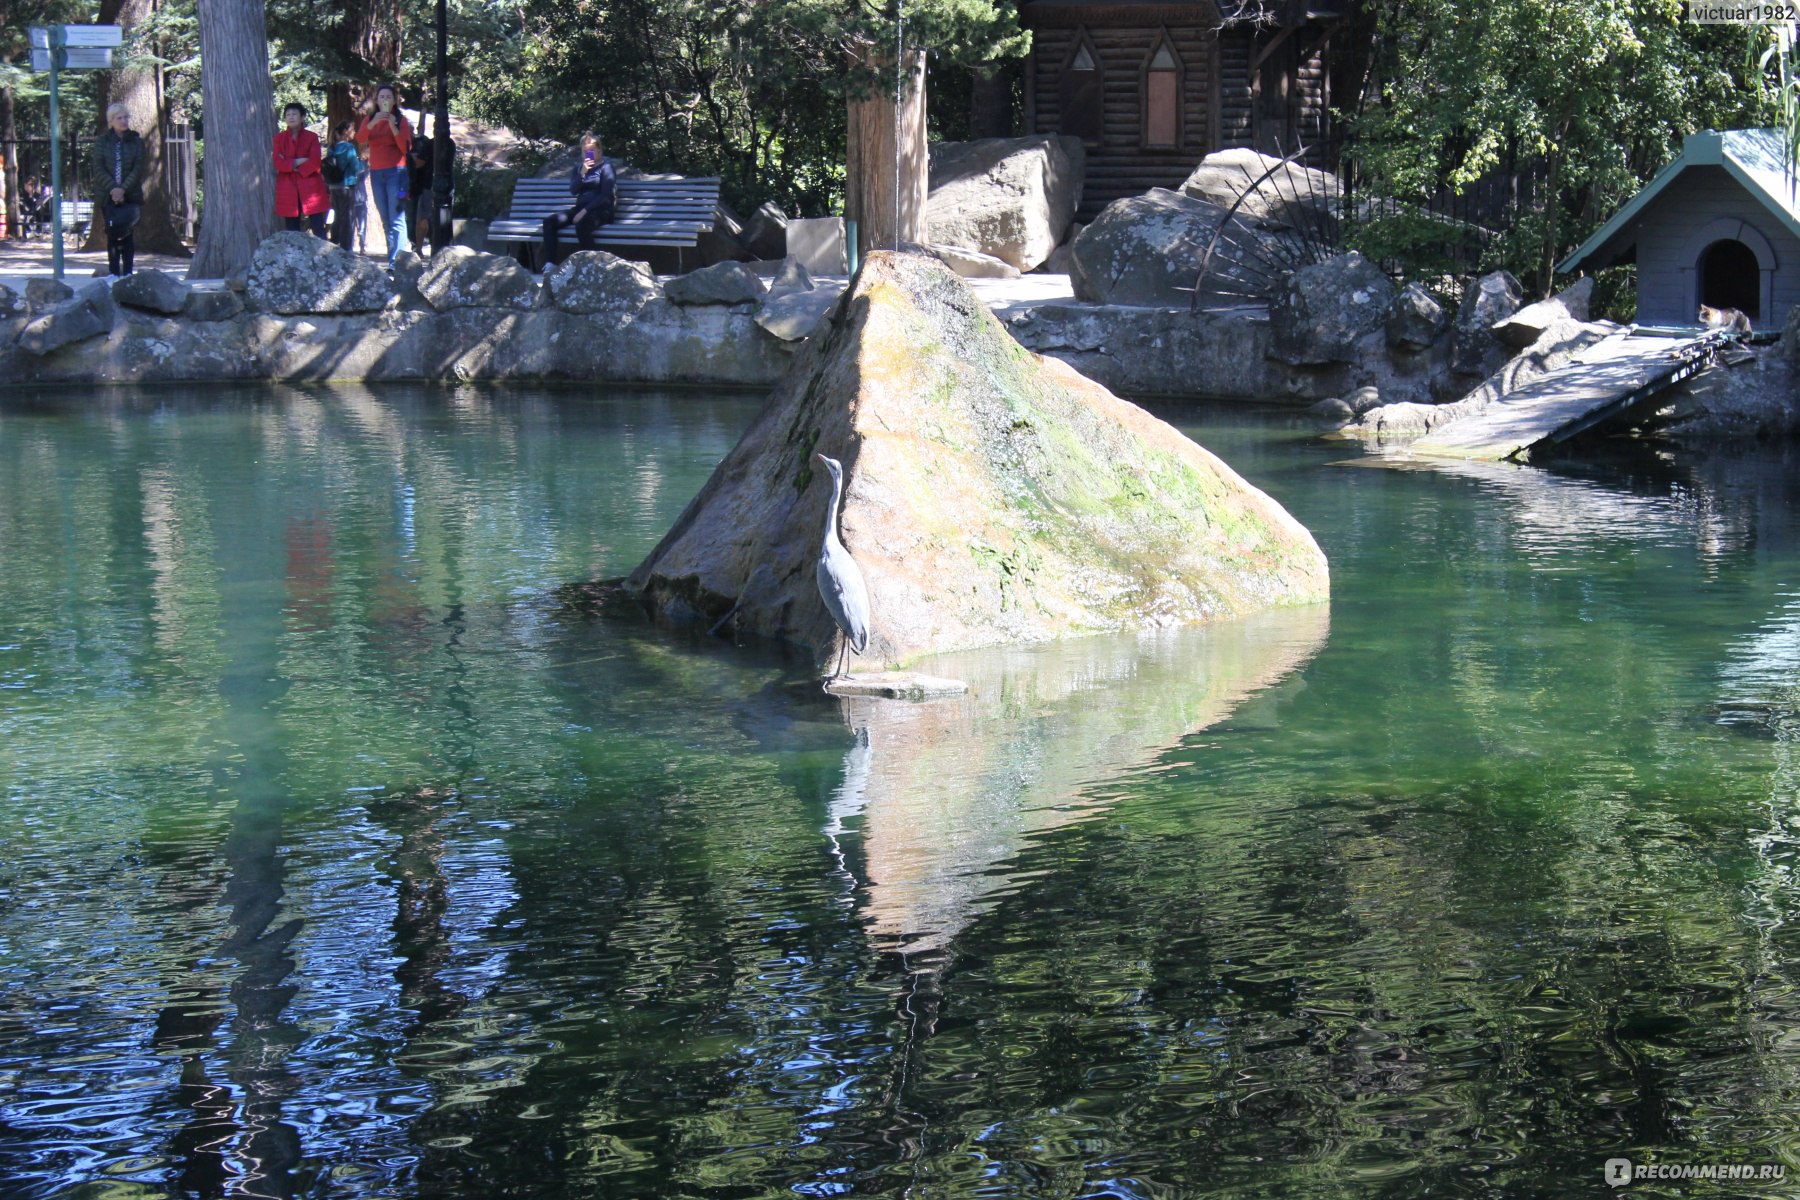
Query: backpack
x=332 y=170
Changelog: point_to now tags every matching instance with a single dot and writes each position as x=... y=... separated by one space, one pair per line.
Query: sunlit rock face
x=992 y=495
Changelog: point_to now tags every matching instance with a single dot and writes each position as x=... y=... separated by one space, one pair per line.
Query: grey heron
x=841 y=583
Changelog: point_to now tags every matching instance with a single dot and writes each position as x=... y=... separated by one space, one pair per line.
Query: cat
x=1732 y=319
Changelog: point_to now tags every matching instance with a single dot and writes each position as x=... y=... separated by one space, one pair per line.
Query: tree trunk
x=1552 y=211
x=872 y=169
x=9 y=146
x=158 y=230
x=237 y=173
x=370 y=33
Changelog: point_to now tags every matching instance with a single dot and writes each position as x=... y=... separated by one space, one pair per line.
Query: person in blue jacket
x=344 y=170
x=595 y=188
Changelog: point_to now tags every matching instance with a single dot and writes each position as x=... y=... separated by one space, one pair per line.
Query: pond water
x=346 y=853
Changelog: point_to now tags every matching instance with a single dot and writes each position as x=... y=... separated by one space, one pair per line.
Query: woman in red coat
x=301 y=197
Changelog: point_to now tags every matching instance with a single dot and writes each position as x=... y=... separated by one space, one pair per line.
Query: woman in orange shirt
x=300 y=193
x=384 y=137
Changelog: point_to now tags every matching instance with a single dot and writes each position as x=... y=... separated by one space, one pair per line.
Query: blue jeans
x=389 y=184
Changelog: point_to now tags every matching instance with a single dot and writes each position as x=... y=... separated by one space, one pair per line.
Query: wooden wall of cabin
x=1223 y=103
x=1119 y=163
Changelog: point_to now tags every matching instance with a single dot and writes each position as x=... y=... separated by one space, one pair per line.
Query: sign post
x=56 y=48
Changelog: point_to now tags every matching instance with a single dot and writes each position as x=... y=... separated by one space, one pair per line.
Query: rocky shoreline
x=1385 y=362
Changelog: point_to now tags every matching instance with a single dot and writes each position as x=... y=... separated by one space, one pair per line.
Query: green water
x=346 y=853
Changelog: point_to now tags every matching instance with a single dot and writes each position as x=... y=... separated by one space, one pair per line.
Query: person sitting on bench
x=595 y=187
x=34 y=207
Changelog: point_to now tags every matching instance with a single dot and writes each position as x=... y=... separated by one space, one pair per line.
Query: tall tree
x=370 y=38
x=240 y=119
x=137 y=84
x=886 y=174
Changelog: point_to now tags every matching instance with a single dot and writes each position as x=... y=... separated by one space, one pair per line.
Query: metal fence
x=1456 y=226
x=179 y=166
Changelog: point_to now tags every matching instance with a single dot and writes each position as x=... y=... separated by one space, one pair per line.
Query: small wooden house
x=1152 y=88
x=1719 y=225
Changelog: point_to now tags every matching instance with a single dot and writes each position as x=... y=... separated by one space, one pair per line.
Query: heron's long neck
x=831 y=510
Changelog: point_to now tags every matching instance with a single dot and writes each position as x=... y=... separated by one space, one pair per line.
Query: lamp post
x=443 y=154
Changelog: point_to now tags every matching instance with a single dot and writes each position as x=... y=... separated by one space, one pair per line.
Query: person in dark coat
x=419 y=163
x=301 y=198
x=116 y=175
x=595 y=187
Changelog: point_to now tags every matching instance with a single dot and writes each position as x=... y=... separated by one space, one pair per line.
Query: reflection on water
x=948 y=792
x=343 y=858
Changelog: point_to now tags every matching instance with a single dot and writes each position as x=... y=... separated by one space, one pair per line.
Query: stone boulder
x=792 y=316
x=1006 y=198
x=12 y=304
x=1528 y=324
x=1326 y=307
x=970 y=264
x=724 y=242
x=293 y=272
x=1556 y=347
x=45 y=294
x=152 y=290
x=1416 y=319
x=792 y=277
x=1147 y=249
x=1294 y=196
x=992 y=496
x=722 y=283
x=85 y=314
x=593 y=281
x=471 y=232
x=409 y=269
x=207 y=306
x=1474 y=350
x=1062 y=259
x=458 y=277
x=765 y=236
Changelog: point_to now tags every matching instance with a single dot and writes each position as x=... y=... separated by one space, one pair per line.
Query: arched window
x=1162 y=96
x=1080 y=92
x=1729 y=277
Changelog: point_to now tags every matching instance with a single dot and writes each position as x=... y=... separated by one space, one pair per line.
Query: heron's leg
x=843 y=651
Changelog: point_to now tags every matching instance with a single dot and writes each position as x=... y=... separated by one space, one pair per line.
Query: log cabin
x=1151 y=88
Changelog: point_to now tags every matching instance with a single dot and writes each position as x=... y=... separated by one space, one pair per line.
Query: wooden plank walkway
x=1602 y=381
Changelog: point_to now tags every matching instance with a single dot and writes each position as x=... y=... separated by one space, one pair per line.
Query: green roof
x=1750 y=156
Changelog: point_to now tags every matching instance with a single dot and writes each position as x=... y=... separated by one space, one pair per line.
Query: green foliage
x=1422 y=243
x=1615 y=294
x=484 y=192
x=754 y=94
x=1601 y=92
x=1778 y=85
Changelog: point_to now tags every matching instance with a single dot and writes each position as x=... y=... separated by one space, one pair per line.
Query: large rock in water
x=295 y=272
x=85 y=314
x=458 y=277
x=1326 y=307
x=991 y=495
x=1008 y=198
x=1292 y=195
x=1148 y=249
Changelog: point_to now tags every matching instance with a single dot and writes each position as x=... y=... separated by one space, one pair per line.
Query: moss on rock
x=992 y=495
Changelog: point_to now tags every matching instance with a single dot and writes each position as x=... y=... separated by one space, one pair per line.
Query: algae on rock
x=991 y=495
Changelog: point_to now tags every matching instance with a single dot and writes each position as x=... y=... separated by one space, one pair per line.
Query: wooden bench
x=646 y=212
x=77 y=215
